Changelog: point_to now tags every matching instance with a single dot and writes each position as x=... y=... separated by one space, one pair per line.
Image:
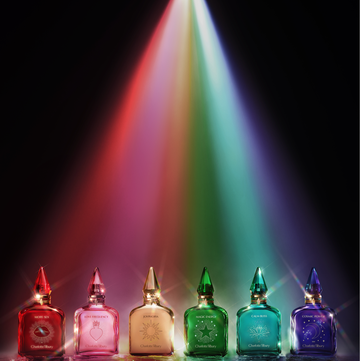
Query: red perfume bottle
x=41 y=329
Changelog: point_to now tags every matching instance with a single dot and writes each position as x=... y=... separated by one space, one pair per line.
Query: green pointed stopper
x=258 y=285
x=151 y=284
x=205 y=286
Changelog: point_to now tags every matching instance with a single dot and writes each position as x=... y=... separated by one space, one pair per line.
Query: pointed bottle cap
x=151 y=284
x=96 y=285
x=42 y=288
x=258 y=287
x=258 y=284
x=205 y=286
x=313 y=288
x=313 y=285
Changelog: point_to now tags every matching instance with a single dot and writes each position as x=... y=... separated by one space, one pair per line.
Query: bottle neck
x=43 y=299
x=151 y=299
x=258 y=299
x=313 y=299
x=97 y=300
x=205 y=300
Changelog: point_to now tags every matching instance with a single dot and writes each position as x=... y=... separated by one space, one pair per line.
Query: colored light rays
x=136 y=176
x=228 y=196
x=148 y=186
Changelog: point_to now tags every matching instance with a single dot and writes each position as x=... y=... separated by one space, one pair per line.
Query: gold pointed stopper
x=151 y=284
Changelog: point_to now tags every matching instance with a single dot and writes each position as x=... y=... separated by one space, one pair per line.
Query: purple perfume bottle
x=313 y=326
x=96 y=326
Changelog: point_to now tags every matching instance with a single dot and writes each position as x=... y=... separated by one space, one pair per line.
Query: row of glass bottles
x=151 y=326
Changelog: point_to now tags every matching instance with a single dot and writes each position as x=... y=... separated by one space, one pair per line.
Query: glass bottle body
x=41 y=331
x=96 y=330
x=206 y=330
x=258 y=330
x=151 y=330
x=313 y=330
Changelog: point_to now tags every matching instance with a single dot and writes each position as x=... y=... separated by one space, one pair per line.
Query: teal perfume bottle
x=258 y=325
x=206 y=325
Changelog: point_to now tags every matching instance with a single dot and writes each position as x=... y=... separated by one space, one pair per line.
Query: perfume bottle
x=151 y=326
x=96 y=326
x=206 y=325
x=313 y=326
x=41 y=330
x=258 y=325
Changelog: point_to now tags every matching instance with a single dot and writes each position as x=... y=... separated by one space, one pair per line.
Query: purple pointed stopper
x=313 y=286
x=96 y=284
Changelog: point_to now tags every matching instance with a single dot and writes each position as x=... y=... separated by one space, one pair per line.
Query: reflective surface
x=182 y=358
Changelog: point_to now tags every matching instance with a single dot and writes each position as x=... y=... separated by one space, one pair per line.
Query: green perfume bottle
x=206 y=325
x=258 y=325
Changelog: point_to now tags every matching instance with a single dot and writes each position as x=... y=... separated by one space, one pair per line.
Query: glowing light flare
x=292 y=273
x=68 y=344
x=302 y=287
x=16 y=310
x=279 y=284
x=346 y=338
x=191 y=288
x=176 y=285
x=346 y=304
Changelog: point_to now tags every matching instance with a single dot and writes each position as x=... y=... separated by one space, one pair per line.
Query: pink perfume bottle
x=96 y=326
x=41 y=329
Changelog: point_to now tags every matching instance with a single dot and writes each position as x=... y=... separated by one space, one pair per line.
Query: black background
x=62 y=62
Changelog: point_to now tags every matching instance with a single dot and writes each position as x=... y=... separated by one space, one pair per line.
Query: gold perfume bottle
x=151 y=326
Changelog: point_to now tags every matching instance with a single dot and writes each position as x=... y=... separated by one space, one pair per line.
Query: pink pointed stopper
x=42 y=285
x=96 y=285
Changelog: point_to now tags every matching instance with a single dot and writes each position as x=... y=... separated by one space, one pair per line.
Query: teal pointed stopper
x=205 y=286
x=313 y=286
x=258 y=285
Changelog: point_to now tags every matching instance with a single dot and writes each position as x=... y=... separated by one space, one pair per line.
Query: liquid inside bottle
x=96 y=326
x=313 y=326
x=151 y=326
x=206 y=325
x=41 y=326
x=258 y=325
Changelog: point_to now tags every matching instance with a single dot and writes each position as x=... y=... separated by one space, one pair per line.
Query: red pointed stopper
x=42 y=285
x=96 y=285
